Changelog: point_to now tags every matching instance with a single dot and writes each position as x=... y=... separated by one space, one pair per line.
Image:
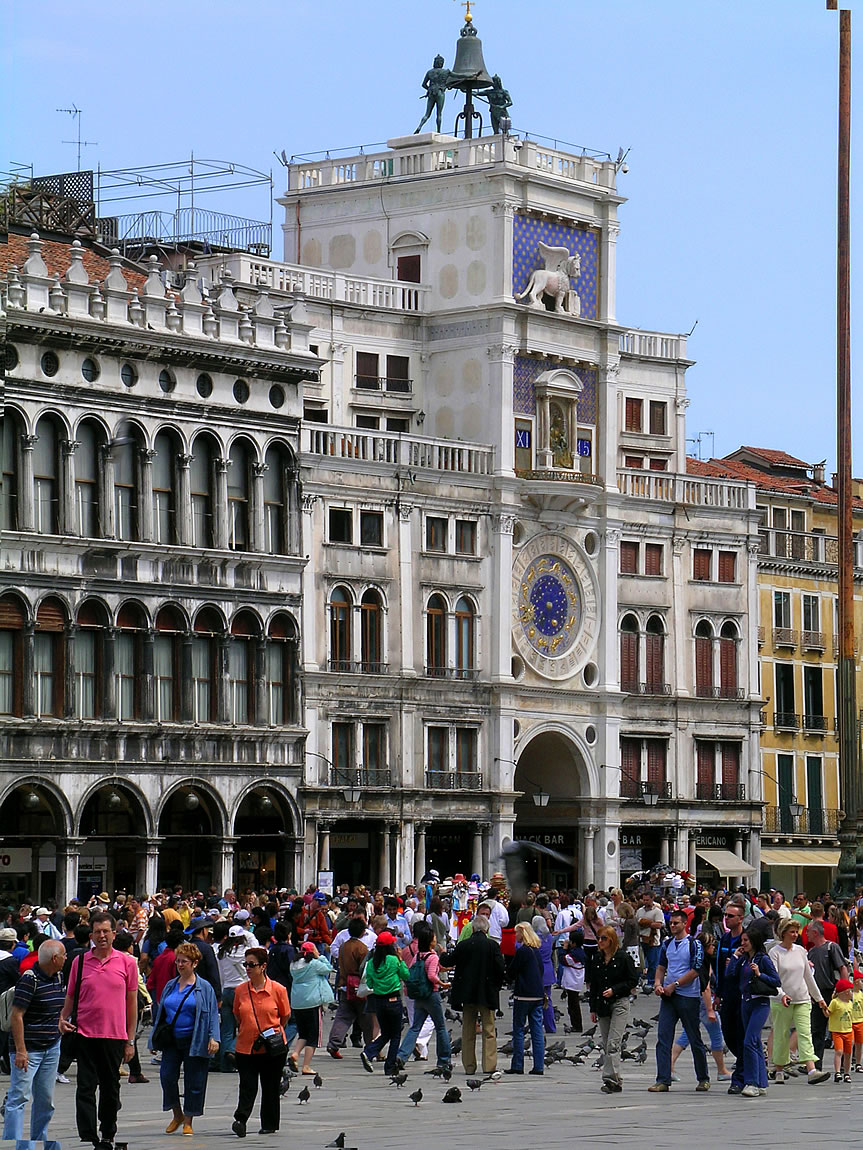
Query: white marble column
x=608 y=271
x=476 y=851
x=501 y=359
x=589 y=835
x=324 y=828
x=146 y=456
x=68 y=856
x=220 y=508
x=257 y=529
x=185 y=532
x=609 y=641
x=693 y=861
x=420 y=850
x=500 y=619
x=68 y=518
x=407 y=604
x=26 y=495
x=227 y=862
x=311 y=604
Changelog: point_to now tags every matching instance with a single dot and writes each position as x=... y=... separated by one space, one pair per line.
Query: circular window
x=241 y=391
x=517 y=667
x=90 y=370
x=277 y=395
x=516 y=728
x=590 y=674
x=167 y=381
x=50 y=363
x=590 y=735
x=11 y=357
x=204 y=385
x=128 y=375
x=591 y=543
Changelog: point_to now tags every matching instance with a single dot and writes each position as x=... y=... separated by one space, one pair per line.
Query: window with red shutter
x=659 y=465
x=630 y=768
x=657 y=418
x=653 y=559
x=657 y=753
x=701 y=562
x=727 y=666
x=704 y=660
x=730 y=770
x=629 y=654
x=636 y=462
x=628 y=558
x=706 y=767
x=655 y=653
x=634 y=414
x=727 y=566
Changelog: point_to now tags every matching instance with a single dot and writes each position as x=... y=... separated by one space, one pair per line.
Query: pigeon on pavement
x=474 y=1083
x=417 y=1097
x=304 y=1095
x=399 y=1079
x=318 y=1081
x=337 y=1143
x=452 y=1095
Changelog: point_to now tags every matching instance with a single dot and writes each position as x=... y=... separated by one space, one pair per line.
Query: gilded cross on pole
x=468 y=15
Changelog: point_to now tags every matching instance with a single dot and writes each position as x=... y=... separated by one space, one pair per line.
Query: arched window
x=629 y=663
x=46 y=478
x=49 y=658
x=128 y=662
x=241 y=667
x=201 y=485
x=88 y=660
x=340 y=630
x=371 y=618
x=13 y=619
x=704 y=660
x=238 y=497
x=87 y=480
x=281 y=671
x=207 y=626
x=166 y=664
x=165 y=488
x=10 y=469
x=275 y=501
x=126 y=454
x=436 y=645
x=655 y=657
x=465 y=639
x=728 y=661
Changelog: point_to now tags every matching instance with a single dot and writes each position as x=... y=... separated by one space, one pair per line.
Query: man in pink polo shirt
x=105 y=1024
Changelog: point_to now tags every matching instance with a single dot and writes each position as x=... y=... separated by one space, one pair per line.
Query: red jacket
x=162 y=970
x=314 y=926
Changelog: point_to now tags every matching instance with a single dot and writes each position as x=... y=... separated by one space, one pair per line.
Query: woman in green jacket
x=385 y=972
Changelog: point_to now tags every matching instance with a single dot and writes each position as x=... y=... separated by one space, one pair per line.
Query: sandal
x=310 y=1072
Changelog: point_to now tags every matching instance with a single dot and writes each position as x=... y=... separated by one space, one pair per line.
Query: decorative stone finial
x=76 y=273
x=15 y=289
x=210 y=324
x=136 y=311
x=154 y=288
x=173 y=320
x=299 y=312
x=190 y=292
x=35 y=265
x=247 y=332
x=97 y=304
x=56 y=296
x=264 y=306
x=115 y=280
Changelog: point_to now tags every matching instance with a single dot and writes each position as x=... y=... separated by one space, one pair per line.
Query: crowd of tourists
x=245 y=984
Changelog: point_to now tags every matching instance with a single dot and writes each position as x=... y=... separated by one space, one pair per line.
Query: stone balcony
x=412 y=452
x=671 y=487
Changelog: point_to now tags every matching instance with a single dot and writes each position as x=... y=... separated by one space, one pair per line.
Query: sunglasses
x=251 y=965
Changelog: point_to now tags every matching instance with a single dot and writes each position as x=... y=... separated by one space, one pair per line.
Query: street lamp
x=646 y=793
x=539 y=796
x=795 y=809
x=352 y=794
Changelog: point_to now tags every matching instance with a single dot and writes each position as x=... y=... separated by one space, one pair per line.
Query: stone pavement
x=559 y=1111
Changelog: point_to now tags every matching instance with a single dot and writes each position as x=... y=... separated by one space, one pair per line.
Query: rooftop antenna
x=696 y=439
x=75 y=113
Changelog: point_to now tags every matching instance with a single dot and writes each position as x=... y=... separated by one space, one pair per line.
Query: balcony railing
x=814 y=640
x=357 y=667
x=382 y=383
x=558 y=475
x=671 y=487
x=413 y=452
x=458 y=673
x=653 y=344
x=636 y=789
x=784 y=637
x=719 y=691
x=653 y=688
x=813 y=821
x=815 y=723
x=799 y=546
x=721 y=792
x=454 y=780
x=786 y=721
x=760 y=635
x=361 y=777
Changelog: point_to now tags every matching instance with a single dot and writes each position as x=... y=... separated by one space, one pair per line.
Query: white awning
x=799 y=856
x=726 y=862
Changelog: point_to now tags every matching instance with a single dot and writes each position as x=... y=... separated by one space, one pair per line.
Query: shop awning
x=726 y=862
x=799 y=856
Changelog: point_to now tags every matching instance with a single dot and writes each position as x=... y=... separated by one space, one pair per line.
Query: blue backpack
x=696 y=960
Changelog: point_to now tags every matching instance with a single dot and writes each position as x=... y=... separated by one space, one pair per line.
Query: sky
x=729 y=108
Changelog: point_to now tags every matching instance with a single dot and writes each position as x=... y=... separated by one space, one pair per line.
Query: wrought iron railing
x=454 y=780
x=361 y=777
x=358 y=666
x=784 y=637
x=816 y=723
x=382 y=383
x=719 y=691
x=812 y=821
x=457 y=673
x=636 y=789
x=786 y=720
x=721 y=792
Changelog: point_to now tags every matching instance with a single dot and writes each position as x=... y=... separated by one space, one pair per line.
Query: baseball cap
x=7 y=934
x=320 y=896
x=308 y=947
x=843 y=984
x=386 y=939
x=236 y=932
x=241 y=915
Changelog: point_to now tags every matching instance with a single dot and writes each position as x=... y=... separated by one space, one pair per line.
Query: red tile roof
x=55 y=253
x=777 y=458
x=790 y=485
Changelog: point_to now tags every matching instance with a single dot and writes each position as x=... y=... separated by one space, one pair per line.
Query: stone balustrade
x=211 y=315
x=652 y=344
x=670 y=487
x=413 y=452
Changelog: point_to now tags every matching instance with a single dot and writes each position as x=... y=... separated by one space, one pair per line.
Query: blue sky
x=728 y=106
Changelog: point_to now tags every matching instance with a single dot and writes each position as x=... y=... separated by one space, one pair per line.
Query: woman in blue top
x=750 y=961
x=310 y=991
x=526 y=972
x=188 y=1003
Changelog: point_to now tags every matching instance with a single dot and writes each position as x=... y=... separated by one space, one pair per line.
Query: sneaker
x=675 y=1078
x=366 y=1061
x=816 y=1076
x=751 y=1092
x=762 y=1090
x=859 y=1068
x=703 y=1086
x=658 y=1088
x=62 y=1079
x=779 y=1077
x=334 y=1053
x=735 y=1089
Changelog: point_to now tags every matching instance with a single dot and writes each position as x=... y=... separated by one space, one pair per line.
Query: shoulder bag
x=272 y=1041
x=163 y=1034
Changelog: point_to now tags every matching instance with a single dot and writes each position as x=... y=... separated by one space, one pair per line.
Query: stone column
x=407 y=603
x=393 y=841
x=544 y=454
x=679 y=637
x=262 y=708
x=288 y=862
x=256 y=526
x=500 y=619
x=145 y=512
x=220 y=508
x=589 y=859
x=665 y=848
x=738 y=850
x=151 y=869
x=608 y=270
x=69 y=632
x=185 y=533
x=384 y=857
x=476 y=852
x=187 y=686
x=609 y=642
x=68 y=854
x=26 y=516
x=225 y=862
x=324 y=827
x=106 y=510
x=68 y=519
x=311 y=606
x=693 y=839
x=420 y=850
x=148 y=696
x=501 y=360
x=109 y=682
x=28 y=678
x=486 y=869
x=223 y=700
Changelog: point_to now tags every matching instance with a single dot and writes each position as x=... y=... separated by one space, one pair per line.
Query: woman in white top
x=792 y=1006
x=230 y=954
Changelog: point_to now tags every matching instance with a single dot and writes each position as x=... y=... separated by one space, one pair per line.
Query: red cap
x=858 y=974
x=386 y=939
x=307 y=947
x=843 y=984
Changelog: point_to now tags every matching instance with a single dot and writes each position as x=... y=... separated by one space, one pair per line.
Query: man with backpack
x=35 y=1046
x=423 y=987
x=678 y=983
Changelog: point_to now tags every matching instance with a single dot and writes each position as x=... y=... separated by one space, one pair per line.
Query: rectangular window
x=438 y=756
x=84 y=651
x=315 y=415
x=727 y=566
x=705 y=757
x=374 y=753
x=659 y=465
x=657 y=754
x=341 y=525
x=653 y=558
x=238 y=676
x=782 y=609
x=276 y=653
x=630 y=768
x=636 y=462
x=124 y=671
x=201 y=679
x=465 y=537
x=785 y=778
x=372 y=528
x=43 y=661
x=7 y=673
x=368 y=374
x=730 y=770
x=163 y=498
x=628 y=557
x=465 y=750
x=702 y=559
x=408 y=269
x=399 y=426
x=343 y=752
x=815 y=795
x=634 y=414
x=657 y=418
x=436 y=533
x=813 y=699
x=368 y=422
x=811 y=613
x=163 y=670
x=784 y=709
x=399 y=374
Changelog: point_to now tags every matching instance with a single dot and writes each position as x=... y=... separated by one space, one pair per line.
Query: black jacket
x=209 y=966
x=619 y=974
x=479 y=972
x=526 y=972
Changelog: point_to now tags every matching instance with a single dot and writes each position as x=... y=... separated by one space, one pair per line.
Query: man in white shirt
x=499 y=917
x=47 y=927
x=777 y=902
x=368 y=937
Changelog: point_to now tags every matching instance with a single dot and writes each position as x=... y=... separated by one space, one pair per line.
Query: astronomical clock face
x=555 y=606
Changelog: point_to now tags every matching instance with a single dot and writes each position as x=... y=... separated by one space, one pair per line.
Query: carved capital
x=185 y=461
x=308 y=503
x=612 y=536
x=222 y=465
x=28 y=442
x=421 y=828
x=612 y=230
x=405 y=512
x=753 y=546
x=505 y=524
x=259 y=470
x=503 y=351
x=148 y=454
x=678 y=542
x=339 y=350
x=503 y=208
x=612 y=371
x=69 y=446
x=682 y=403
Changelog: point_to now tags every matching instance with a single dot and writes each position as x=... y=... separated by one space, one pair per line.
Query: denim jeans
x=651 y=961
x=714 y=1031
x=424 y=1008
x=753 y=1013
x=174 y=1059
x=674 y=1008
x=37 y=1081
x=227 y=1027
x=389 y=1016
x=530 y=1009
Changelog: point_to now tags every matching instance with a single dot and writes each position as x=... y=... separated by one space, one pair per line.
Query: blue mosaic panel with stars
x=529 y=231
x=525 y=371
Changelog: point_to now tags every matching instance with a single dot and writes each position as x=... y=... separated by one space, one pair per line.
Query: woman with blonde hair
x=612 y=977
x=526 y=971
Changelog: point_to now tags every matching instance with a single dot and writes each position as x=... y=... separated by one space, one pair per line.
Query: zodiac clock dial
x=550 y=605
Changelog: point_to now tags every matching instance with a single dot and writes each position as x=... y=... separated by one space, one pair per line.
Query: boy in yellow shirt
x=840 y=1022
x=857 y=1020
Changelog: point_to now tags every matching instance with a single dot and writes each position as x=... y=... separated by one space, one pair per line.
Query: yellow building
x=798 y=648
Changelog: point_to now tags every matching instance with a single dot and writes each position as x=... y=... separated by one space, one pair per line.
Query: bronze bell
x=468 y=70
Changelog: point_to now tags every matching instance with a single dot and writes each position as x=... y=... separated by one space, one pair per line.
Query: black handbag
x=271 y=1044
x=760 y=988
x=162 y=1037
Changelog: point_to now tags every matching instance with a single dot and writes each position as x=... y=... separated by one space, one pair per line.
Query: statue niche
x=554 y=280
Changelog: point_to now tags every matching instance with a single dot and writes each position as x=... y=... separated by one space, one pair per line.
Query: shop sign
x=558 y=840
x=15 y=860
x=714 y=839
x=348 y=840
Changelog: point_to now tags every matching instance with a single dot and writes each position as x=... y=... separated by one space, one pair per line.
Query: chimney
x=818 y=472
